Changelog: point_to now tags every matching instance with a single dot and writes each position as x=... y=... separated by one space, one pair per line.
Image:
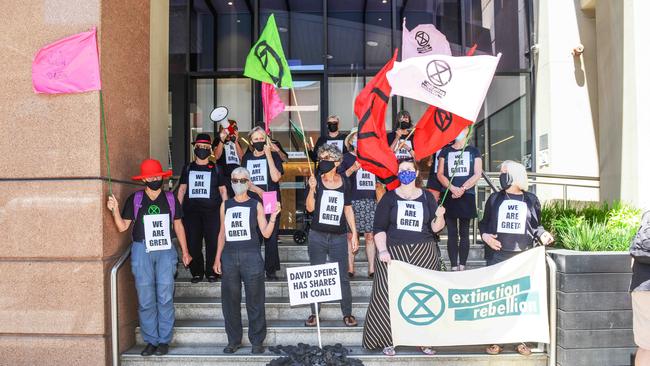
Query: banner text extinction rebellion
x=494 y=301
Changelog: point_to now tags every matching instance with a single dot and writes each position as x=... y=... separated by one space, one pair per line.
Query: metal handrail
x=552 y=287
x=115 y=349
x=552 y=176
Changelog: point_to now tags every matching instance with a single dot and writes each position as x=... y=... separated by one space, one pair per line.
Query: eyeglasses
x=241 y=180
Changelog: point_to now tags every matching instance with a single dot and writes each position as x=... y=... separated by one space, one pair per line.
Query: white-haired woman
x=239 y=260
x=329 y=200
x=512 y=223
x=265 y=168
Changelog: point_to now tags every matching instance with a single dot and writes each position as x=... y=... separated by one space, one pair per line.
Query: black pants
x=243 y=266
x=458 y=249
x=202 y=225
x=271 y=255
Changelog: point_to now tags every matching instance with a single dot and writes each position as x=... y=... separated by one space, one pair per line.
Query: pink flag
x=69 y=65
x=423 y=40
x=272 y=103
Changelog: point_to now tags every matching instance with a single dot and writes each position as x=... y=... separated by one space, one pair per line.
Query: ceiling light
x=379 y=19
x=372 y=43
x=384 y=1
x=230 y=3
x=282 y=29
x=238 y=21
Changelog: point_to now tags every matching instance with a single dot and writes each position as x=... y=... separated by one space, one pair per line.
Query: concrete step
x=406 y=356
x=361 y=287
x=298 y=253
x=278 y=332
x=360 y=268
x=209 y=308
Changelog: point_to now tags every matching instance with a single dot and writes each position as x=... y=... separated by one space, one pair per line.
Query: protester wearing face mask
x=239 y=260
x=364 y=202
x=406 y=222
x=466 y=167
x=265 y=168
x=397 y=139
x=228 y=152
x=334 y=137
x=511 y=223
x=329 y=202
x=202 y=189
x=156 y=217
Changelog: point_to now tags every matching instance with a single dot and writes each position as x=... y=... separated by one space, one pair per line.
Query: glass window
x=366 y=25
x=202 y=40
x=342 y=91
x=236 y=95
x=300 y=25
x=233 y=34
x=308 y=102
x=444 y=14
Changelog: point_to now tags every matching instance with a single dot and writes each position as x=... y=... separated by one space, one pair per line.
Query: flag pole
x=108 y=162
x=401 y=144
x=302 y=127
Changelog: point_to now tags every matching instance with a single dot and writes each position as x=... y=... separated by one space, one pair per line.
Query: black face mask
x=154 y=184
x=405 y=125
x=505 y=180
x=333 y=127
x=201 y=152
x=325 y=166
x=259 y=145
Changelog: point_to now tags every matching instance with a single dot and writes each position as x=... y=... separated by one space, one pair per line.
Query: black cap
x=202 y=138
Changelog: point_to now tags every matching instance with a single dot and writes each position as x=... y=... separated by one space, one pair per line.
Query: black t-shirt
x=338 y=141
x=261 y=173
x=432 y=181
x=403 y=153
x=240 y=223
x=464 y=164
x=157 y=206
x=406 y=221
x=203 y=182
x=229 y=158
x=515 y=219
x=362 y=182
x=640 y=277
x=328 y=213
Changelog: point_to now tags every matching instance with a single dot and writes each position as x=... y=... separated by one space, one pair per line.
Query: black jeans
x=456 y=228
x=202 y=225
x=246 y=266
x=271 y=255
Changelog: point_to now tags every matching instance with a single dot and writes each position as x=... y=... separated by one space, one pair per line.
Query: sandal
x=428 y=351
x=311 y=321
x=389 y=351
x=350 y=321
x=350 y=274
x=494 y=350
x=371 y=275
x=523 y=349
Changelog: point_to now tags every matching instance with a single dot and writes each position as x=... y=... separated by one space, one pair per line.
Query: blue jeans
x=322 y=245
x=154 y=282
x=247 y=266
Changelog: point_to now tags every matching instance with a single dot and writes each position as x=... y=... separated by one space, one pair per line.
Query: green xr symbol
x=153 y=210
x=420 y=304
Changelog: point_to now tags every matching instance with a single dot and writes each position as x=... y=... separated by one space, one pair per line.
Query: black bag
x=640 y=247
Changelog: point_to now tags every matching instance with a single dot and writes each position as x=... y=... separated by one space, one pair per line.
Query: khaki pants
x=641 y=315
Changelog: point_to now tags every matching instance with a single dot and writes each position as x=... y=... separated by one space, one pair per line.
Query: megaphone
x=220 y=115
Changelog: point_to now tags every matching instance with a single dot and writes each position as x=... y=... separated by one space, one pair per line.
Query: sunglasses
x=241 y=180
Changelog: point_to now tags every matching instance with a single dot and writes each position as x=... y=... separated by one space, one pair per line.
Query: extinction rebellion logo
x=422 y=38
x=438 y=75
x=421 y=304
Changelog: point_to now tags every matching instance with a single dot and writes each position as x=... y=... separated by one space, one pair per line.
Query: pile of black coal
x=306 y=355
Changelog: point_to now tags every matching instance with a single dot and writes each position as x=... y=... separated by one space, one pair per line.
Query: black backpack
x=640 y=247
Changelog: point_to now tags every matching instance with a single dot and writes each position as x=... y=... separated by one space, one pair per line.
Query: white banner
x=423 y=40
x=503 y=303
x=312 y=284
x=455 y=84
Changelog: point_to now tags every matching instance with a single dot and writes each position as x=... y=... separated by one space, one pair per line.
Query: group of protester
x=345 y=201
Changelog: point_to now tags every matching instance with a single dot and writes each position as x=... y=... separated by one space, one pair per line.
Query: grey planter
x=594 y=309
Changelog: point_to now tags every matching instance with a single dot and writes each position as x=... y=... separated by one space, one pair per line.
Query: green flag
x=266 y=61
x=297 y=131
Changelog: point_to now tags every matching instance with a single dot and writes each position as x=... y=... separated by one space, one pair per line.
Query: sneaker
x=149 y=350
x=231 y=348
x=461 y=267
x=162 y=349
x=212 y=279
x=259 y=349
x=196 y=279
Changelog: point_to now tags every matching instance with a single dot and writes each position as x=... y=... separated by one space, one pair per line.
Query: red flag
x=373 y=152
x=436 y=128
x=272 y=103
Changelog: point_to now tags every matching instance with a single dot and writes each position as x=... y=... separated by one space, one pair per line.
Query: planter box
x=594 y=308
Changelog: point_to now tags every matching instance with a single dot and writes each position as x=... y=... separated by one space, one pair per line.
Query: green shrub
x=591 y=227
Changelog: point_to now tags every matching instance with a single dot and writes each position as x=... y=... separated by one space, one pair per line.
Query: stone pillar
x=59 y=241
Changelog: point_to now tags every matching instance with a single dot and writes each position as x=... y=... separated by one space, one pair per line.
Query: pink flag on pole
x=423 y=40
x=272 y=103
x=69 y=65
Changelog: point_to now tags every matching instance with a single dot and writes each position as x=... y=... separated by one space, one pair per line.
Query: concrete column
x=59 y=240
x=159 y=118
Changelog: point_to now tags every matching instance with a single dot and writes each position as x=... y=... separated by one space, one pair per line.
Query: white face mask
x=239 y=188
x=354 y=143
x=461 y=137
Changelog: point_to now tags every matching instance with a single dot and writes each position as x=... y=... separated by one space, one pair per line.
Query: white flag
x=423 y=40
x=503 y=303
x=455 y=84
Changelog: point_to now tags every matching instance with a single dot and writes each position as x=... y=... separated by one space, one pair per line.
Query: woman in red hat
x=202 y=189
x=156 y=215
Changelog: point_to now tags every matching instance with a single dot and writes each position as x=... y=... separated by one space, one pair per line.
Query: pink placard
x=270 y=201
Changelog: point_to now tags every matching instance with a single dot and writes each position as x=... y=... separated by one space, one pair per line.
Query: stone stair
x=199 y=333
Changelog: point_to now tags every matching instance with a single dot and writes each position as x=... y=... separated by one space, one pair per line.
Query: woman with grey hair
x=512 y=223
x=239 y=260
x=329 y=199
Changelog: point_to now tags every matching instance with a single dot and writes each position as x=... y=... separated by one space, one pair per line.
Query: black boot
x=149 y=350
